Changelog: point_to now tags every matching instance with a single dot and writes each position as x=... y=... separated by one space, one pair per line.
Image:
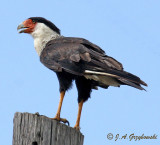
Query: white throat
x=41 y=35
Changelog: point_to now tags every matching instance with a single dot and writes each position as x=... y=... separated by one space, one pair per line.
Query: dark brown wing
x=60 y=54
x=76 y=55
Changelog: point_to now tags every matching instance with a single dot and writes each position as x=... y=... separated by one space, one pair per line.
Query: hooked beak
x=21 y=26
x=27 y=26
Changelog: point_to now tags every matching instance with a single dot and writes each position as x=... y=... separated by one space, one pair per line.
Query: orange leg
x=80 y=105
x=57 y=117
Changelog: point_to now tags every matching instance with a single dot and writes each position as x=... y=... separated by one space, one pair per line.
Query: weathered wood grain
x=34 y=129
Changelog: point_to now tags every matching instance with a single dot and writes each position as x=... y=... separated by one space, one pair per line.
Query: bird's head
x=41 y=30
x=33 y=24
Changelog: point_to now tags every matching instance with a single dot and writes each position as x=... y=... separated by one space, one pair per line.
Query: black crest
x=46 y=22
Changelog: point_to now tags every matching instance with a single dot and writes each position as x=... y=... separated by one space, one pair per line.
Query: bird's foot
x=77 y=127
x=65 y=121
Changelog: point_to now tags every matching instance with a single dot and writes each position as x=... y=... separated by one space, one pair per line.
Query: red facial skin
x=30 y=25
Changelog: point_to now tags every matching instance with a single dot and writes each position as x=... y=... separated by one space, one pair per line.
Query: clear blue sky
x=127 y=30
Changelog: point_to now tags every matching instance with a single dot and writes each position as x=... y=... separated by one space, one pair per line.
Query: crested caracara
x=76 y=59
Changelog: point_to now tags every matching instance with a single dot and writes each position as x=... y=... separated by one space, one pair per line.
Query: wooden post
x=34 y=129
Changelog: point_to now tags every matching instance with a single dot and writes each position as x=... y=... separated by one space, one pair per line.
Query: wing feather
x=77 y=56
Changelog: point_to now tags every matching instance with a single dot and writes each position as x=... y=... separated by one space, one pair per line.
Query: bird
x=76 y=59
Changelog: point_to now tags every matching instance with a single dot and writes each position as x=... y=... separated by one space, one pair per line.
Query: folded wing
x=83 y=58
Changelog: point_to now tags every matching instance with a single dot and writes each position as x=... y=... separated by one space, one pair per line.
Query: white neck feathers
x=41 y=35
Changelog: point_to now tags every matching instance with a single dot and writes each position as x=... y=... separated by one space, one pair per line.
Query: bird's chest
x=39 y=45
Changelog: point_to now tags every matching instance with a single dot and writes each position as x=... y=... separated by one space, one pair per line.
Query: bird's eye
x=33 y=21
